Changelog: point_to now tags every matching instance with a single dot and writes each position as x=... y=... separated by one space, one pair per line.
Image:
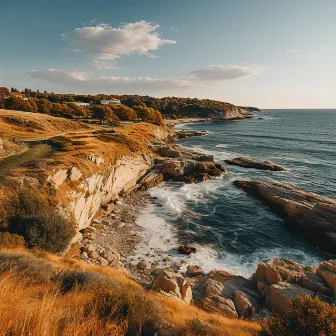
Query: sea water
x=232 y=230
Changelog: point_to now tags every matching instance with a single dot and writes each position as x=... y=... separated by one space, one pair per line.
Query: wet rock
x=193 y=271
x=253 y=163
x=184 y=249
x=312 y=215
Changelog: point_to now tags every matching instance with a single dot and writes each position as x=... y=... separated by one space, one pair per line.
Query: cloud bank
x=85 y=83
x=104 y=42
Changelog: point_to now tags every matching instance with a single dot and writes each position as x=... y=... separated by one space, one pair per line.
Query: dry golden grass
x=32 y=307
x=26 y=126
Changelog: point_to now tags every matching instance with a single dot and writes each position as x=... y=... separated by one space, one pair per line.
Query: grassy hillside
x=27 y=126
x=46 y=295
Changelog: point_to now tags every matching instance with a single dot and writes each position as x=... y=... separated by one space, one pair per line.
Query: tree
x=103 y=112
x=124 y=112
x=78 y=111
x=19 y=104
x=44 y=106
x=149 y=114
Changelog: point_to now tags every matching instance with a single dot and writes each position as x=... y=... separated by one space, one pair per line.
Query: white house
x=110 y=102
x=82 y=104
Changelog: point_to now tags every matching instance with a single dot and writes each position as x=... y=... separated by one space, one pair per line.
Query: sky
x=264 y=53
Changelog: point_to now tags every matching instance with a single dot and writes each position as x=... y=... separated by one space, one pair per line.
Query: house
x=110 y=102
x=81 y=104
x=18 y=95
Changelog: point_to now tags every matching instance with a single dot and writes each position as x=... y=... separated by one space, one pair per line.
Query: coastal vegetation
x=133 y=107
x=44 y=294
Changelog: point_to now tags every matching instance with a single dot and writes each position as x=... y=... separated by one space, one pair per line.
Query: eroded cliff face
x=234 y=112
x=98 y=189
x=81 y=195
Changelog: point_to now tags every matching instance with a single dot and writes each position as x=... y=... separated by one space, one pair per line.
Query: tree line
x=169 y=107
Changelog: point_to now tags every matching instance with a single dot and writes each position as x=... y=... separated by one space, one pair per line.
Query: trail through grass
x=14 y=161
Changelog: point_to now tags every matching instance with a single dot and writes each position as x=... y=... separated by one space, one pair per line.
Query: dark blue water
x=238 y=229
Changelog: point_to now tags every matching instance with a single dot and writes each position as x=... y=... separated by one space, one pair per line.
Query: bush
x=35 y=269
x=70 y=280
x=310 y=317
x=8 y=240
x=40 y=226
x=143 y=315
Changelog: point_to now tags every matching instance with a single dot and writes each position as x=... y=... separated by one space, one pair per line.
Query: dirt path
x=28 y=155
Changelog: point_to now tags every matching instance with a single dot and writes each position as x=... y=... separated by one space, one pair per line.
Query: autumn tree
x=78 y=111
x=19 y=104
x=103 y=112
x=44 y=106
x=124 y=112
x=149 y=114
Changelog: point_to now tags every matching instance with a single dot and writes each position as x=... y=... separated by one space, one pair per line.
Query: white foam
x=222 y=146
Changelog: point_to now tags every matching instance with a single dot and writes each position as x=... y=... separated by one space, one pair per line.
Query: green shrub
x=40 y=226
x=310 y=317
x=8 y=240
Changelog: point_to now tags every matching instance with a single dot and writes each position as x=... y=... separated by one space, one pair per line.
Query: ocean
x=232 y=230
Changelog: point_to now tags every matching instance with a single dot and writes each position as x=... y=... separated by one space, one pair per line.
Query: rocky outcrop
x=181 y=134
x=280 y=297
x=99 y=188
x=281 y=280
x=187 y=166
x=172 y=284
x=312 y=215
x=232 y=113
x=327 y=271
x=227 y=294
x=253 y=163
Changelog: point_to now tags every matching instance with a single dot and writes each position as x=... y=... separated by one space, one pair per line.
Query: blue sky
x=268 y=53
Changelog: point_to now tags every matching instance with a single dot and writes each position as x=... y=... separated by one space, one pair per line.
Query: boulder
x=218 y=304
x=314 y=216
x=170 y=152
x=279 y=297
x=253 y=163
x=144 y=265
x=74 y=174
x=243 y=305
x=193 y=271
x=59 y=177
x=94 y=255
x=172 y=284
x=173 y=167
x=327 y=271
x=185 y=249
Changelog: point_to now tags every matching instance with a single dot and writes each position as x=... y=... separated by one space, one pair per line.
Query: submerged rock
x=253 y=163
x=312 y=215
x=184 y=249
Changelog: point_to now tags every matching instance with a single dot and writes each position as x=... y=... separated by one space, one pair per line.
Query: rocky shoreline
x=115 y=236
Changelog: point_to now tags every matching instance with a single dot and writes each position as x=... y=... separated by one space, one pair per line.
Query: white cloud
x=221 y=73
x=292 y=50
x=79 y=81
x=104 y=42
